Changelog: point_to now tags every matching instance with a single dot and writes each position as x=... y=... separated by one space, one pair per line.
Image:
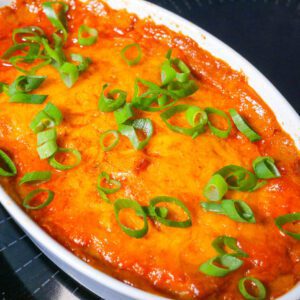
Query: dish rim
x=290 y=121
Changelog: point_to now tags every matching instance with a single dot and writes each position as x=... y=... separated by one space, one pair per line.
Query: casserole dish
x=285 y=114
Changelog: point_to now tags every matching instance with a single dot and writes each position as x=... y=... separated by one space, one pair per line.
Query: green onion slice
x=46 y=136
x=89 y=40
x=182 y=89
x=112 y=182
x=174 y=69
x=238 y=211
x=260 y=289
x=26 y=84
x=238 y=178
x=27 y=98
x=196 y=116
x=59 y=166
x=34 y=177
x=33 y=194
x=221 y=265
x=3 y=87
x=27 y=34
x=289 y=218
x=164 y=220
x=128 y=203
x=160 y=211
x=109 y=103
x=58 y=19
x=83 y=62
x=154 y=98
x=192 y=131
x=47 y=149
x=69 y=73
x=47 y=118
x=133 y=61
x=221 y=242
x=216 y=188
x=124 y=113
x=56 y=53
x=243 y=127
x=216 y=131
x=265 y=168
x=130 y=127
x=113 y=143
x=7 y=167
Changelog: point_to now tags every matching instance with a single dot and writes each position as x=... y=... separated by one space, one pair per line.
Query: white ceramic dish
x=94 y=280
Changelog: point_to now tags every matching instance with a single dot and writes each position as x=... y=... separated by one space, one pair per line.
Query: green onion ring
x=196 y=116
x=108 y=103
x=285 y=219
x=137 y=59
x=164 y=220
x=33 y=194
x=109 y=181
x=28 y=34
x=124 y=113
x=243 y=127
x=6 y=161
x=262 y=293
x=113 y=144
x=216 y=188
x=220 y=242
x=216 y=131
x=69 y=73
x=228 y=262
x=265 y=168
x=128 y=203
x=58 y=166
x=91 y=39
x=37 y=176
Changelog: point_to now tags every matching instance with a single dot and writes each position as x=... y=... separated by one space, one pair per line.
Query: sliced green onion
x=129 y=129
x=238 y=178
x=196 y=116
x=26 y=84
x=164 y=220
x=289 y=218
x=54 y=113
x=83 y=62
x=33 y=50
x=7 y=167
x=56 y=55
x=108 y=103
x=27 y=98
x=212 y=207
x=259 y=185
x=154 y=98
x=69 y=73
x=47 y=118
x=92 y=35
x=160 y=211
x=216 y=131
x=193 y=131
x=47 y=149
x=33 y=177
x=243 y=127
x=16 y=59
x=33 y=194
x=228 y=262
x=238 y=211
x=265 y=168
x=221 y=242
x=58 y=19
x=128 y=203
x=46 y=136
x=111 y=190
x=104 y=196
x=182 y=89
x=3 y=87
x=137 y=59
x=124 y=113
x=58 y=166
x=28 y=34
x=113 y=143
x=216 y=188
x=259 y=287
x=169 y=73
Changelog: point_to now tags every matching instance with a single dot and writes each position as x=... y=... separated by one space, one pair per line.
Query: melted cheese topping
x=166 y=260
